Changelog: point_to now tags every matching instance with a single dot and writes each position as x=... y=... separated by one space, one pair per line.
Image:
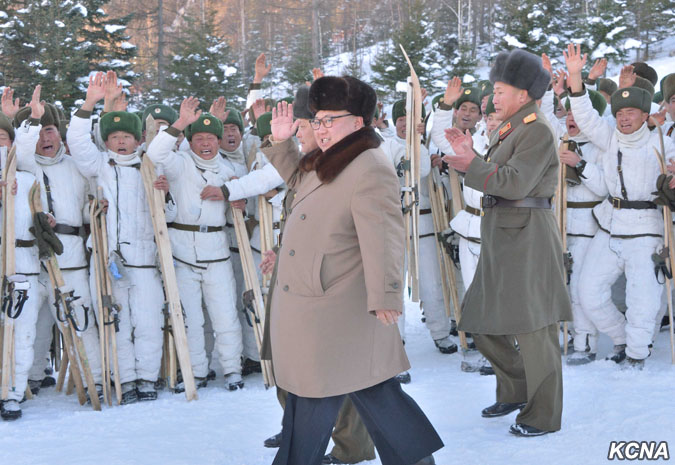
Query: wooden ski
x=561 y=216
x=441 y=220
x=412 y=177
x=156 y=204
x=107 y=311
x=252 y=283
x=8 y=270
x=69 y=324
x=668 y=244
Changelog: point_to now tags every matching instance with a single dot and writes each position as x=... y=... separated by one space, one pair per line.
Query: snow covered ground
x=602 y=403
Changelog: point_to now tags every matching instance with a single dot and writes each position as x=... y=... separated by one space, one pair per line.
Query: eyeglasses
x=326 y=120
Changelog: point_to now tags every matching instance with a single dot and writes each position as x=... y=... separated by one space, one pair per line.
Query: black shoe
x=453 y=328
x=634 y=363
x=34 y=386
x=211 y=376
x=403 y=378
x=48 y=381
x=129 y=393
x=99 y=392
x=499 y=409
x=486 y=370
x=199 y=382
x=160 y=384
x=526 y=431
x=330 y=458
x=445 y=345
x=233 y=382
x=145 y=390
x=619 y=353
x=10 y=410
x=249 y=366
x=665 y=322
x=273 y=441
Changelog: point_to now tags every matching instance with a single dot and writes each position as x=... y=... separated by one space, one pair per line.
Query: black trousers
x=401 y=432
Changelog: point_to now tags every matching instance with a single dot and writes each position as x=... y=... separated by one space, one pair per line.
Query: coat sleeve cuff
x=83 y=114
x=172 y=131
x=386 y=301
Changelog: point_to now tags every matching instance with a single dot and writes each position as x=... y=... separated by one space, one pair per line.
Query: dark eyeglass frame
x=327 y=121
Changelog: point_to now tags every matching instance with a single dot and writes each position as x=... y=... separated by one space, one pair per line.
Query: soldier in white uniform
x=631 y=225
x=131 y=243
x=199 y=243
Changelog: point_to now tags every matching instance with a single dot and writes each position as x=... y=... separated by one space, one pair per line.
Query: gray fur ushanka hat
x=522 y=70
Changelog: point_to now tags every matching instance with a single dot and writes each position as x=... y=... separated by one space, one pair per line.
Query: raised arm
x=257 y=182
x=599 y=130
x=85 y=154
x=161 y=149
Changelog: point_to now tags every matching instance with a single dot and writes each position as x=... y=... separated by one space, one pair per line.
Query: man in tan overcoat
x=339 y=271
x=519 y=291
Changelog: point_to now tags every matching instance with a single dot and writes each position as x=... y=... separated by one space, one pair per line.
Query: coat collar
x=329 y=164
x=511 y=124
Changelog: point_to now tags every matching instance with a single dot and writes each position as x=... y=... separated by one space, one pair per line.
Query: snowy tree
x=299 y=63
x=105 y=41
x=603 y=26
x=538 y=26
x=203 y=66
x=57 y=44
x=390 y=66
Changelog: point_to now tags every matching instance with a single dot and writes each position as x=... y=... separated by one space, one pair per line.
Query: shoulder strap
x=624 y=194
x=48 y=191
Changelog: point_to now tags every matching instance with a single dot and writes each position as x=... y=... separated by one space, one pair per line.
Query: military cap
x=206 y=123
x=234 y=117
x=597 y=100
x=50 y=116
x=668 y=87
x=301 y=106
x=398 y=110
x=522 y=70
x=631 y=97
x=606 y=85
x=490 y=107
x=120 y=121
x=6 y=124
x=263 y=125
x=159 y=111
x=644 y=84
x=645 y=71
x=470 y=94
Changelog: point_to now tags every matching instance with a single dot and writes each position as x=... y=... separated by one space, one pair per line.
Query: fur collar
x=329 y=164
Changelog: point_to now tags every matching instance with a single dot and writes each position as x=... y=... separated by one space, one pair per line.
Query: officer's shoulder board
x=530 y=118
x=505 y=131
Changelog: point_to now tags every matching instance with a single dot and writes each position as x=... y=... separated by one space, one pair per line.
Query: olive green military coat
x=520 y=282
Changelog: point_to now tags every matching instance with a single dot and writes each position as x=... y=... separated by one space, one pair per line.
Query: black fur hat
x=301 y=104
x=643 y=70
x=522 y=70
x=343 y=93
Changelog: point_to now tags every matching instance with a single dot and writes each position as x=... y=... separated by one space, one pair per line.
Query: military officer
x=518 y=292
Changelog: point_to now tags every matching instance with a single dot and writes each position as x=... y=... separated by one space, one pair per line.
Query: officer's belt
x=195 y=228
x=67 y=229
x=426 y=211
x=490 y=201
x=473 y=211
x=620 y=204
x=583 y=204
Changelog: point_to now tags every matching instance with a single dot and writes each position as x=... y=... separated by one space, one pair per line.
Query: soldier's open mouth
x=205 y=152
